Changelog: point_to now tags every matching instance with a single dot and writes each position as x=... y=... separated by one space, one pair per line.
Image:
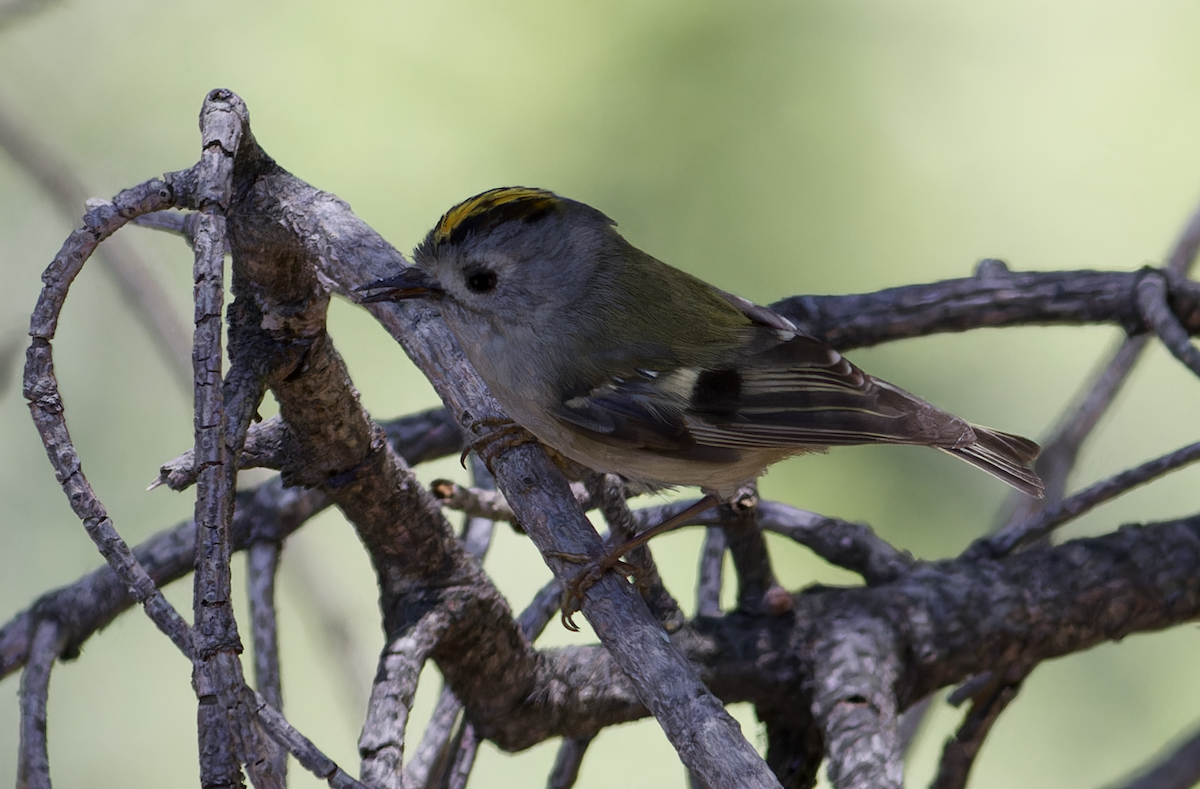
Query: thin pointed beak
x=412 y=283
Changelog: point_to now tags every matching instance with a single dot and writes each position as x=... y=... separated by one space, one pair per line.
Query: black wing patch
x=791 y=392
x=798 y=394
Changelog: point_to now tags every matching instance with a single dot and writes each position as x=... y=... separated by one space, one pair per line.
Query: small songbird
x=626 y=365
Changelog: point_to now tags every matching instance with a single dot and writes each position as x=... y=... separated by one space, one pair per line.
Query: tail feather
x=1004 y=456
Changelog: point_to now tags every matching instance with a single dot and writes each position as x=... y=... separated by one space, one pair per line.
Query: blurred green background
x=772 y=148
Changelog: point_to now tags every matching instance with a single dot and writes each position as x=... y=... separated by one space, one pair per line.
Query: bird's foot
x=497 y=436
x=593 y=569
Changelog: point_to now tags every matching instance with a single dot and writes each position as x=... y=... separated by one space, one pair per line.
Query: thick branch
x=1011 y=299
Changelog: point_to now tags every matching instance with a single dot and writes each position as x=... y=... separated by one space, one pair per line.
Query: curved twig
x=382 y=740
x=45 y=402
x=1152 y=300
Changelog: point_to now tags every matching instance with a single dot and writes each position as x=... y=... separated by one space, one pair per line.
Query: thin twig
x=268 y=512
x=269 y=444
x=1078 y=421
x=608 y=494
x=567 y=762
x=466 y=746
x=299 y=746
x=1182 y=256
x=853 y=546
x=433 y=753
x=474 y=502
x=541 y=610
x=757 y=588
x=477 y=532
x=709 y=576
x=262 y=566
x=959 y=754
x=382 y=740
x=488 y=503
x=1060 y=451
x=1067 y=510
x=173 y=222
x=46 y=407
x=462 y=746
x=33 y=760
x=309 y=577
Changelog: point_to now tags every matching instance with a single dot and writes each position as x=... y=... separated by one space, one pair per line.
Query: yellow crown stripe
x=483 y=203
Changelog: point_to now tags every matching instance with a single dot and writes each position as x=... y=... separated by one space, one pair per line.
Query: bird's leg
x=609 y=494
x=594 y=569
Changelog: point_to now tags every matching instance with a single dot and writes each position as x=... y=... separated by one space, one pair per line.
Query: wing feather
x=790 y=392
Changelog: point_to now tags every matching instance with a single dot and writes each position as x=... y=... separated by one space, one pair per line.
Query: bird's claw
x=501 y=435
x=592 y=571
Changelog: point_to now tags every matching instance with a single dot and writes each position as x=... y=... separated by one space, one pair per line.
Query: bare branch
x=228 y=730
x=541 y=610
x=474 y=502
x=567 y=762
x=710 y=575
x=45 y=402
x=829 y=666
x=466 y=746
x=326 y=610
x=608 y=494
x=299 y=746
x=959 y=754
x=1067 y=510
x=1075 y=425
x=757 y=587
x=261 y=567
x=382 y=741
x=269 y=444
x=33 y=761
x=457 y=743
x=1061 y=449
x=856 y=666
x=269 y=512
x=850 y=545
x=173 y=222
x=433 y=753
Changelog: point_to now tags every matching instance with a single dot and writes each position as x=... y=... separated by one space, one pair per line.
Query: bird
x=626 y=365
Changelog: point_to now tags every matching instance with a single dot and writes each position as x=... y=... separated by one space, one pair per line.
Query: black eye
x=481 y=281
